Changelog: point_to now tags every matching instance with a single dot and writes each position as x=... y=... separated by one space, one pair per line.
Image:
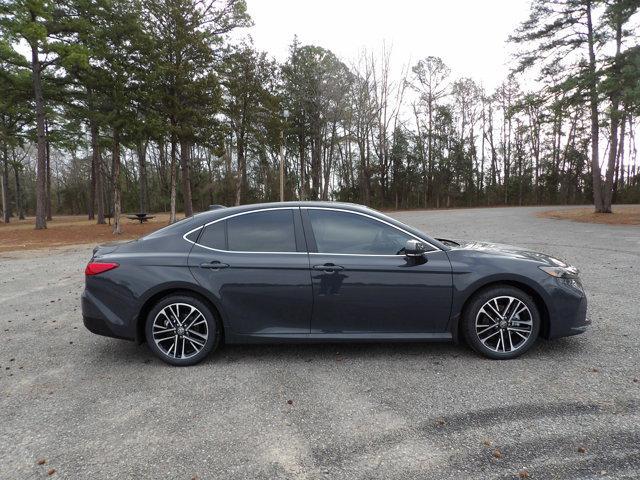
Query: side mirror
x=414 y=248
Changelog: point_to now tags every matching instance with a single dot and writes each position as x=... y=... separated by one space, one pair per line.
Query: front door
x=363 y=282
x=256 y=265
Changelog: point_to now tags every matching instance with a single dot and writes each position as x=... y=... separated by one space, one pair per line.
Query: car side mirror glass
x=414 y=248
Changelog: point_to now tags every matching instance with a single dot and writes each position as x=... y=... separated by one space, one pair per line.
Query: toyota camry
x=323 y=272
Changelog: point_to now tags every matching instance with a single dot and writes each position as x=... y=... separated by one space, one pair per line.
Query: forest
x=112 y=106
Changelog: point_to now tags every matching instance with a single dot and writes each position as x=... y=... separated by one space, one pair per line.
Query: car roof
x=224 y=212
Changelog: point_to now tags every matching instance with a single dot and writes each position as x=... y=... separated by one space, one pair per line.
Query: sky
x=469 y=35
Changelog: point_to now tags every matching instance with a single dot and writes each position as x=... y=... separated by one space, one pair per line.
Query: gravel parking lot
x=95 y=407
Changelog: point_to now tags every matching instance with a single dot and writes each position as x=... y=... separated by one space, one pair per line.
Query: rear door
x=256 y=264
x=363 y=282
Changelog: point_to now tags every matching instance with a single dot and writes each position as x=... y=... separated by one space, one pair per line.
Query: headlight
x=567 y=275
x=561 y=272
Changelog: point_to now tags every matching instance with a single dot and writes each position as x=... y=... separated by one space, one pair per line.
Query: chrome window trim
x=267 y=209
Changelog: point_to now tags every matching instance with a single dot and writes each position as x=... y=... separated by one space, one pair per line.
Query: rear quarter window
x=214 y=236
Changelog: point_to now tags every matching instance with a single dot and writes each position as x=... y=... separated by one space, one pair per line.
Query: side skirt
x=338 y=337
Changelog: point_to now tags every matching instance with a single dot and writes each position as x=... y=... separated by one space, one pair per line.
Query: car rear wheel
x=182 y=330
x=501 y=322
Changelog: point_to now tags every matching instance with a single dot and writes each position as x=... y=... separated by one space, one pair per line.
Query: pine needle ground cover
x=622 y=215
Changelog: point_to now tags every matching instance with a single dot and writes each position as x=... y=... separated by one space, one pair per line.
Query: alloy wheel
x=504 y=324
x=180 y=330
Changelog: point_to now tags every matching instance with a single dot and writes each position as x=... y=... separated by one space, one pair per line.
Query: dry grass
x=64 y=230
x=622 y=215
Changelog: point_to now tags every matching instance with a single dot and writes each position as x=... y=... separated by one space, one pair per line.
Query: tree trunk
x=430 y=151
x=92 y=184
x=91 y=215
x=620 y=159
x=613 y=153
x=6 y=209
x=117 y=227
x=241 y=179
x=303 y=178
x=48 y=162
x=316 y=162
x=494 y=160
x=482 y=155
x=19 y=204
x=142 y=166
x=186 y=178
x=507 y=152
x=593 y=104
x=615 y=122
x=173 y=174
x=211 y=178
x=96 y=170
x=329 y=163
x=426 y=172
x=366 y=183
x=162 y=169
x=41 y=214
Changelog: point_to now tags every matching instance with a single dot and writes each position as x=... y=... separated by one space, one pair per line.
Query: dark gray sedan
x=323 y=272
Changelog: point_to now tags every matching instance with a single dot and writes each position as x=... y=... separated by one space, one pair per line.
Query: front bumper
x=569 y=316
x=98 y=319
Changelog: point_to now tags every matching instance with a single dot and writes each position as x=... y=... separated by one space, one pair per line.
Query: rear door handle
x=215 y=265
x=328 y=267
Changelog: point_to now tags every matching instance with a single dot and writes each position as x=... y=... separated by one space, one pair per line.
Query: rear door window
x=263 y=231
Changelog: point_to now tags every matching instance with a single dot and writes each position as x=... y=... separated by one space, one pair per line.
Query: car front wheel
x=182 y=330
x=501 y=322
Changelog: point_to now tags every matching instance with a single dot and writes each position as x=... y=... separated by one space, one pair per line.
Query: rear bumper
x=98 y=319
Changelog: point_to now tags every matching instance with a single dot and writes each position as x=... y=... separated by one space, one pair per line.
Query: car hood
x=502 y=250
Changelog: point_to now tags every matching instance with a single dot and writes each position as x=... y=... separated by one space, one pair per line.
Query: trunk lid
x=107 y=248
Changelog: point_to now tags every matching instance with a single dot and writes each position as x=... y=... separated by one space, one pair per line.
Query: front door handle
x=328 y=267
x=215 y=265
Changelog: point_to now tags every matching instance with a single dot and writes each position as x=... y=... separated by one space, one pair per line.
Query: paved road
x=100 y=408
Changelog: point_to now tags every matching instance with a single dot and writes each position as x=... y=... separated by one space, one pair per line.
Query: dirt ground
x=71 y=230
x=622 y=215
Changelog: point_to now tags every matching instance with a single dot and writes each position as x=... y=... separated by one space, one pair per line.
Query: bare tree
x=430 y=81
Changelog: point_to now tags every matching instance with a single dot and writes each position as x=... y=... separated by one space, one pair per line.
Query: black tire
x=193 y=356
x=472 y=311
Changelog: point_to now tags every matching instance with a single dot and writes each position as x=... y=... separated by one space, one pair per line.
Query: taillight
x=95 y=268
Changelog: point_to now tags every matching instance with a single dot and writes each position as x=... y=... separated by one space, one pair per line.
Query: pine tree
x=50 y=28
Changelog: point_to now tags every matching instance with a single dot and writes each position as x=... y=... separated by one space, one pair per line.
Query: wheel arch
x=537 y=297
x=159 y=293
